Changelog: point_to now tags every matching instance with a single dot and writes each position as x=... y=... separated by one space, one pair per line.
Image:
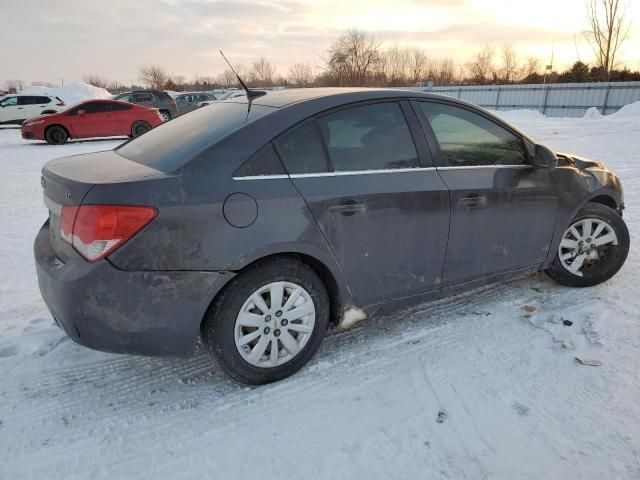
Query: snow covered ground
x=473 y=387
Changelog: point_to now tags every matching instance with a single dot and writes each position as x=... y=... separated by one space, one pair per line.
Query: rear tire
x=581 y=264
x=229 y=321
x=140 y=128
x=56 y=135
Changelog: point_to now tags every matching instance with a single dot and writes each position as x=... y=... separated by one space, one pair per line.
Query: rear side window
x=370 y=137
x=117 y=107
x=42 y=100
x=127 y=97
x=265 y=162
x=143 y=97
x=469 y=139
x=302 y=150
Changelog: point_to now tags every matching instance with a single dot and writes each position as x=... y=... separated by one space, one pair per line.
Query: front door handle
x=472 y=201
x=347 y=208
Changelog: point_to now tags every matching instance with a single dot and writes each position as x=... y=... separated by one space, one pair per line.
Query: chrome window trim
x=338 y=174
x=470 y=167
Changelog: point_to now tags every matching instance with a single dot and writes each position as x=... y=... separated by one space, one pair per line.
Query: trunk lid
x=66 y=181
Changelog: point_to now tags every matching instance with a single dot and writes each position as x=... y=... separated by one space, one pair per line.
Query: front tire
x=592 y=249
x=166 y=116
x=268 y=322
x=56 y=135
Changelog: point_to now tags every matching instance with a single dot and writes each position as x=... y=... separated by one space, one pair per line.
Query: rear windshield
x=169 y=146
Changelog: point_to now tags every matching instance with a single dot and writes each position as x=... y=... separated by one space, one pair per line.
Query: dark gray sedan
x=255 y=225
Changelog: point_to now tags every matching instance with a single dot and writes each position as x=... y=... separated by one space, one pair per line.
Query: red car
x=94 y=118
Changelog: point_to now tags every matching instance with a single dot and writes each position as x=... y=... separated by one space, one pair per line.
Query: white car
x=224 y=96
x=15 y=109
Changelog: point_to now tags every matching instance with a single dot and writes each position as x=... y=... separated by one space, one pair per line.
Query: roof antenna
x=251 y=94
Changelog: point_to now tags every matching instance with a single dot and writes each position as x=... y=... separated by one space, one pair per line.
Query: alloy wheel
x=274 y=324
x=586 y=244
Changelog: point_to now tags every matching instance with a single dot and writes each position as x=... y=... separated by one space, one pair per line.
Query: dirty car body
x=288 y=175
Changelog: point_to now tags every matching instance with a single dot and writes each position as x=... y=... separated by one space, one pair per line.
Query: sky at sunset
x=52 y=39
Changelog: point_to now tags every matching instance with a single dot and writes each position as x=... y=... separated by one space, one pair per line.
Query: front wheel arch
x=57 y=125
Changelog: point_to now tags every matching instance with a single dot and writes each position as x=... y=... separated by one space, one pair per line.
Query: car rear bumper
x=104 y=308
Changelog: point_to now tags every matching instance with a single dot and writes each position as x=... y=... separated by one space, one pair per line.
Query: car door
x=503 y=208
x=145 y=99
x=91 y=119
x=367 y=177
x=40 y=104
x=10 y=111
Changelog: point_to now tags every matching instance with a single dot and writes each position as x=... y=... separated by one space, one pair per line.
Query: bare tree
x=95 y=80
x=510 y=70
x=397 y=61
x=481 y=67
x=532 y=67
x=153 y=76
x=418 y=66
x=608 y=29
x=300 y=74
x=262 y=73
x=446 y=72
x=227 y=79
x=14 y=86
x=353 y=56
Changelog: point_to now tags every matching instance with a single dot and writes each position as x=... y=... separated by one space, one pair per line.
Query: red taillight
x=97 y=230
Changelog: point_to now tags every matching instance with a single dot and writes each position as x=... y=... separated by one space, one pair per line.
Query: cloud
x=49 y=39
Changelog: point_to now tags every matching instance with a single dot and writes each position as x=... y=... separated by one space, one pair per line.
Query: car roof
x=283 y=98
x=315 y=100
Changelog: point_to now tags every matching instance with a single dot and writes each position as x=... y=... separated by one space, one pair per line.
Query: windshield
x=169 y=146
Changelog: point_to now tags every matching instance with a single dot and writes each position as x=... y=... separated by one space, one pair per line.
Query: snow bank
x=628 y=111
x=592 y=113
x=72 y=93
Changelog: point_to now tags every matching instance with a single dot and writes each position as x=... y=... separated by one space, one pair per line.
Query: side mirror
x=545 y=158
x=81 y=112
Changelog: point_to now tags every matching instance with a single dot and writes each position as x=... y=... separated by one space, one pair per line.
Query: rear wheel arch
x=323 y=271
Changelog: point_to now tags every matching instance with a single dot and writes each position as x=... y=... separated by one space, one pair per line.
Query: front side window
x=469 y=139
x=369 y=137
x=9 y=102
x=96 y=107
x=302 y=151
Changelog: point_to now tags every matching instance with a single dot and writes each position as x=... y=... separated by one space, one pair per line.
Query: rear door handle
x=347 y=208
x=472 y=201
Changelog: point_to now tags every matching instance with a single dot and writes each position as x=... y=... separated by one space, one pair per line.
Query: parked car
x=231 y=94
x=15 y=109
x=94 y=118
x=152 y=99
x=254 y=225
x=188 y=102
